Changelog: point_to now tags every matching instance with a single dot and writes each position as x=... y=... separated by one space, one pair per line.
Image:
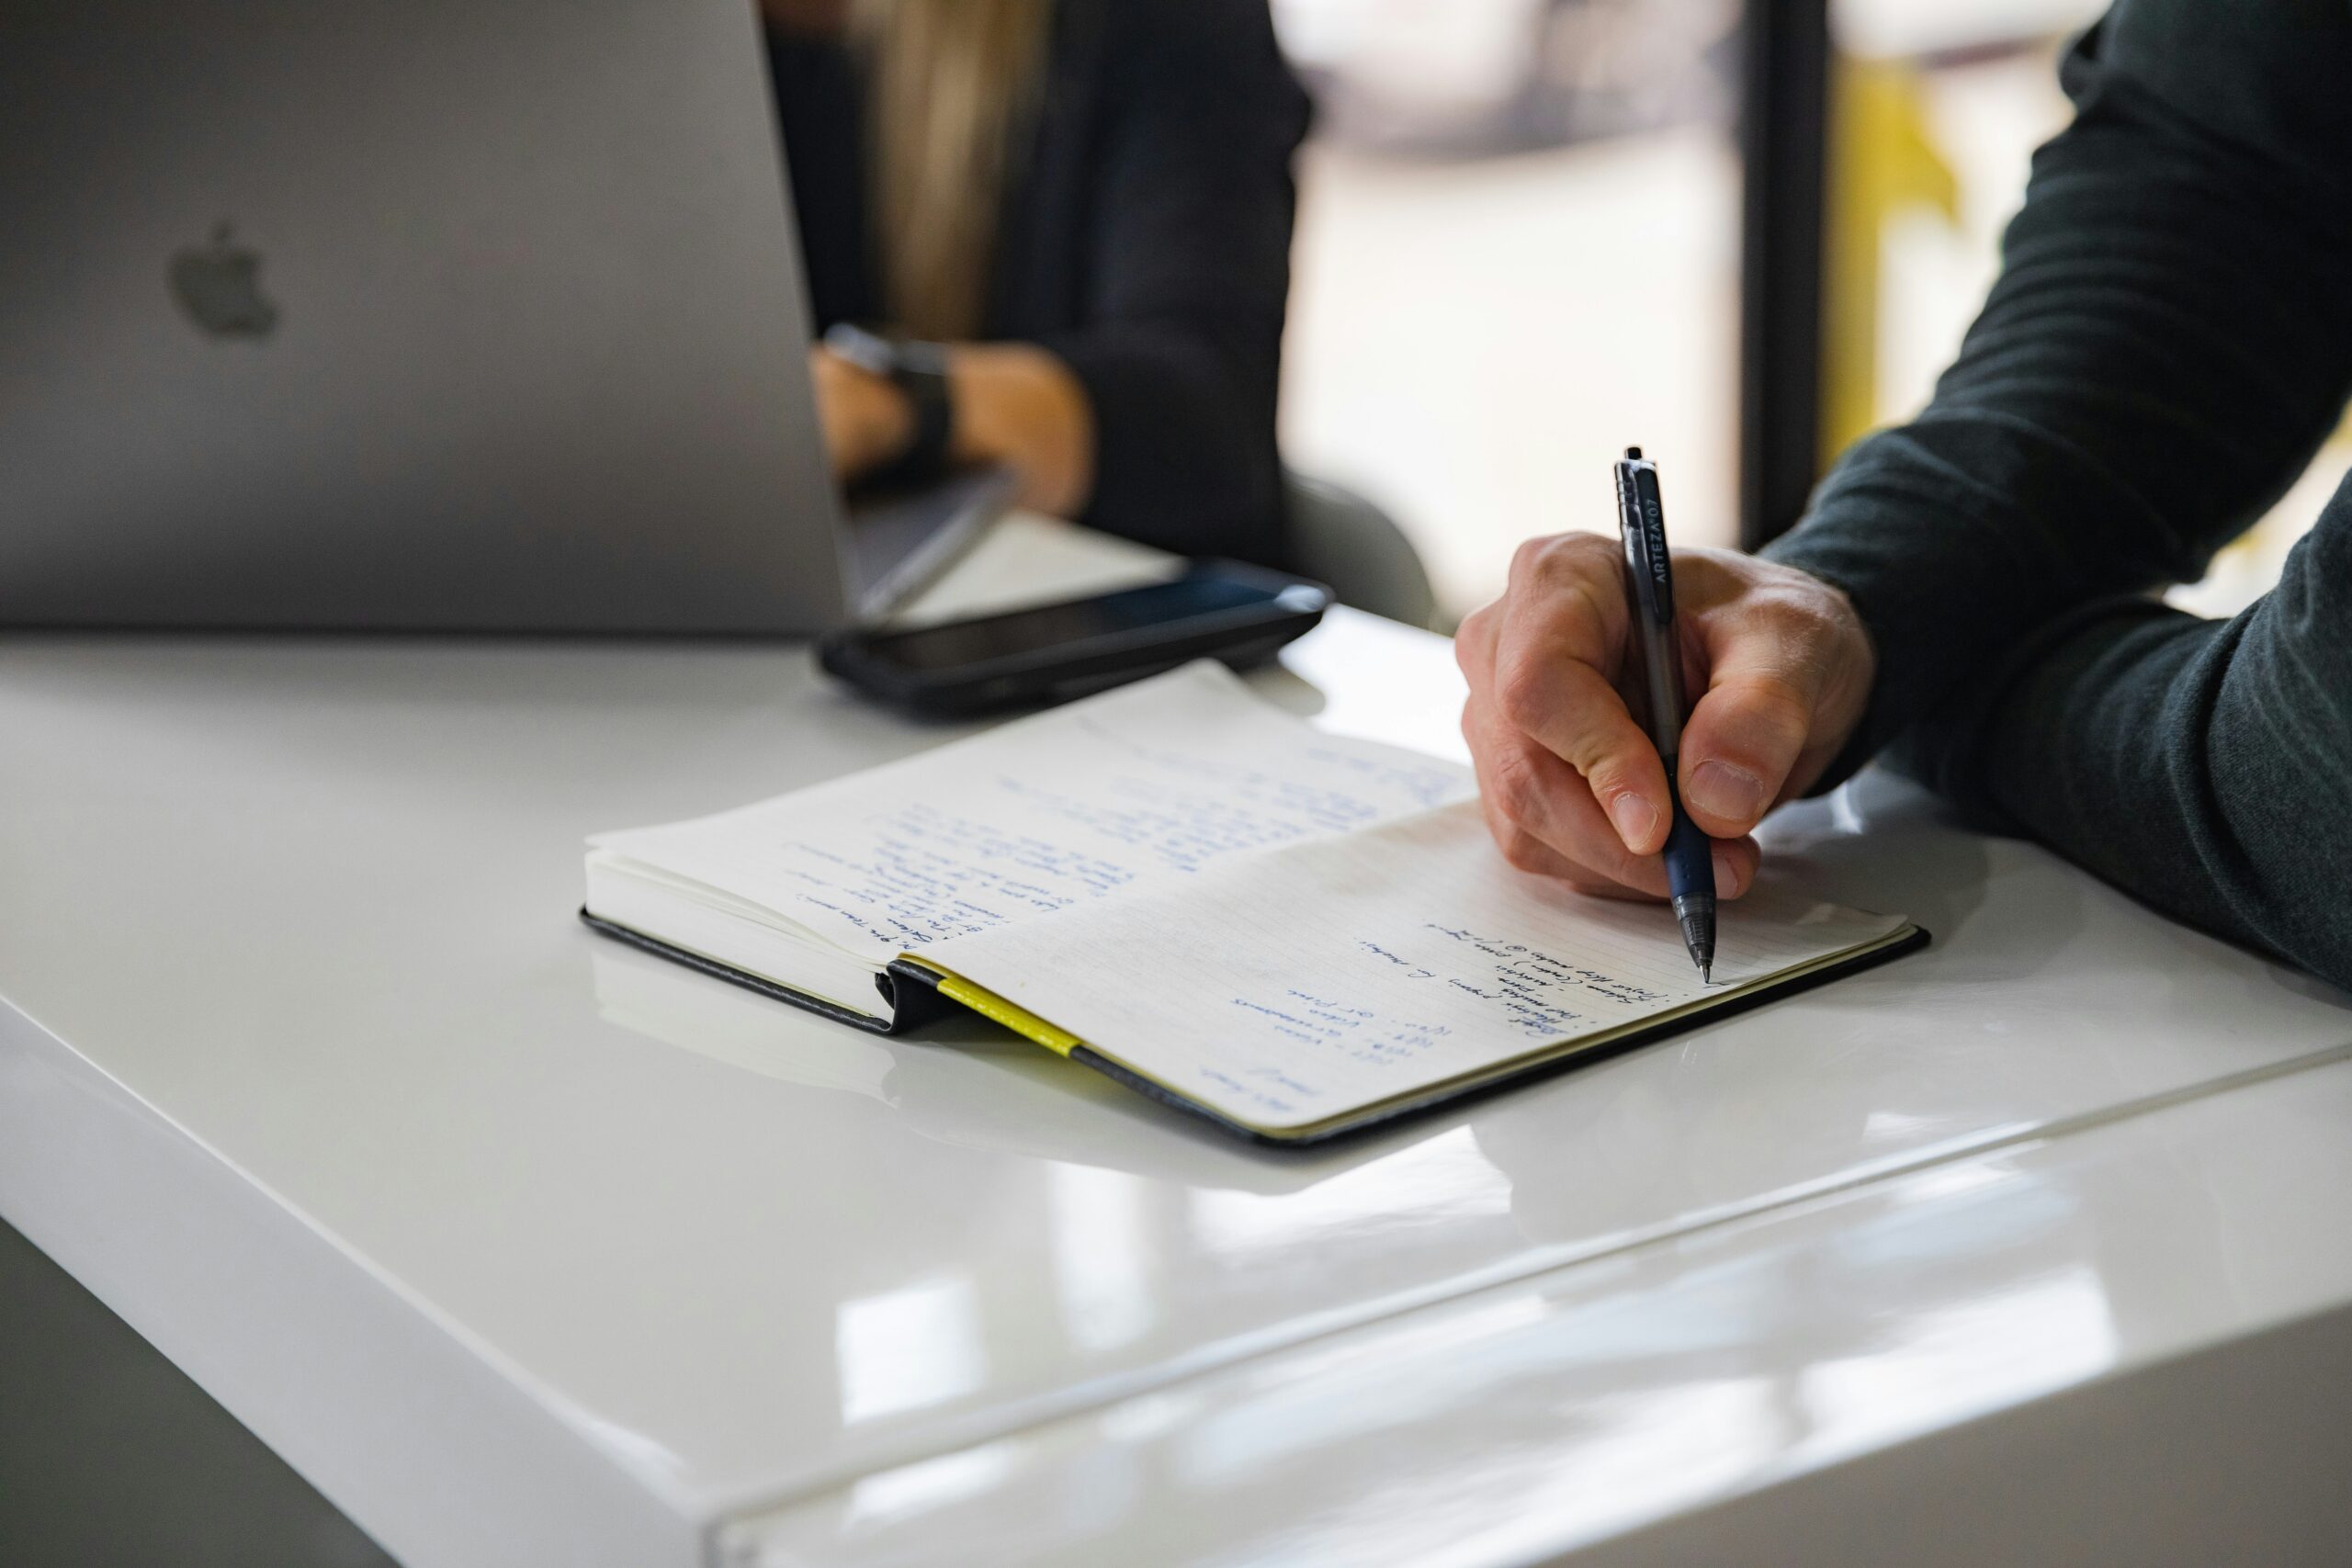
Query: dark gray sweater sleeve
x=2203 y=765
x=2170 y=340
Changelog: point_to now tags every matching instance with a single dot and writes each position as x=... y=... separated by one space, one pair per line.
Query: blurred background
x=1519 y=250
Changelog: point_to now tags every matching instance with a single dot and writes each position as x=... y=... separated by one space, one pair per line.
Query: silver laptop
x=416 y=315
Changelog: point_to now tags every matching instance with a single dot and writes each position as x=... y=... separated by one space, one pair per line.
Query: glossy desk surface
x=526 y=1247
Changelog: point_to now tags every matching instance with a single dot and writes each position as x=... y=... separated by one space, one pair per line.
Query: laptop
x=417 y=315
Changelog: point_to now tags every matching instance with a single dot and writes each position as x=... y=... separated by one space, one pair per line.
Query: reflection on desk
x=399 y=1160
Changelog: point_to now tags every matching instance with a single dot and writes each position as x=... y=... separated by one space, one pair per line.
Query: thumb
x=1747 y=733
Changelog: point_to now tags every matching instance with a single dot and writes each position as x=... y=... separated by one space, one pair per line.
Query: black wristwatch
x=920 y=371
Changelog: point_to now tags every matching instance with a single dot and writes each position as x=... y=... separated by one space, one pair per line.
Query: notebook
x=1292 y=933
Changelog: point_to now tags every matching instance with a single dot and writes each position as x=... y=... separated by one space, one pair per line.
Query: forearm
x=1019 y=405
x=2204 y=766
x=2170 y=339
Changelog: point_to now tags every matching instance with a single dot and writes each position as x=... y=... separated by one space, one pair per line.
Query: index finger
x=1563 y=629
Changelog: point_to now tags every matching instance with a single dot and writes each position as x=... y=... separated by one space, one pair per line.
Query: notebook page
x=1150 y=783
x=1308 y=982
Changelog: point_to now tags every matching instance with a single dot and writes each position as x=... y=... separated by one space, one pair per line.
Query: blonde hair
x=953 y=84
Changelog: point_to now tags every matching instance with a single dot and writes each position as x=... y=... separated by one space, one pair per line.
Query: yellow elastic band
x=1021 y=1020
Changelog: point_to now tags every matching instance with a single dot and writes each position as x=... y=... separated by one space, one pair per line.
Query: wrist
x=915 y=412
x=881 y=420
x=1846 y=700
x=1020 y=405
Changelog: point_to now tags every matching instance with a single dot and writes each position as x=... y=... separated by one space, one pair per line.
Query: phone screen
x=1084 y=620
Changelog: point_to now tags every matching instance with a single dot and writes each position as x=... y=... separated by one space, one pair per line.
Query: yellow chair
x=1881 y=160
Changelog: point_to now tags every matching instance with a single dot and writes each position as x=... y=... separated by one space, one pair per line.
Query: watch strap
x=920 y=372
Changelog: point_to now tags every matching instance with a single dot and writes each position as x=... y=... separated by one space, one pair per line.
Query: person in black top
x=1089 y=201
x=2169 y=342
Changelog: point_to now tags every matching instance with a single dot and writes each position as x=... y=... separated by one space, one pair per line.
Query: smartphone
x=1053 y=652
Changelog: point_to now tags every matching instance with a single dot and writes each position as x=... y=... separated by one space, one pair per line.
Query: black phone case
x=1240 y=637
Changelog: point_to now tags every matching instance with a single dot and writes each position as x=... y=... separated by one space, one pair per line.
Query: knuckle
x=1610 y=777
x=1553 y=557
x=1522 y=694
x=1598 y=747
x=1591 y=608
x=1476 y=631
x=1523 y=852
x=1528 y=553
x=1516 y=791
x=1577 y=559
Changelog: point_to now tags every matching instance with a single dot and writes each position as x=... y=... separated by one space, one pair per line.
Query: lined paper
x=1307 y=983
x=1151 y=784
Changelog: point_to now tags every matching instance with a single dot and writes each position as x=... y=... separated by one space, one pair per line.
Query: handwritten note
x=1289 y=988
x=1156 y=784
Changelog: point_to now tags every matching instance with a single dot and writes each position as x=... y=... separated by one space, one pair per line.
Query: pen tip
x=1633 y=454
x=1706 y=974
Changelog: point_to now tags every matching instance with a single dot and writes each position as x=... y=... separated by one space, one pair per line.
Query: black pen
x=1649 y=594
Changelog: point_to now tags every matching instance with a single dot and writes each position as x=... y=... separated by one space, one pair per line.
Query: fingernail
x=1726 y=878
x=1721 y=790
x=1636 y=818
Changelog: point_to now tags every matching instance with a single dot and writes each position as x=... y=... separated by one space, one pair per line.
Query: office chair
x=1341 y=539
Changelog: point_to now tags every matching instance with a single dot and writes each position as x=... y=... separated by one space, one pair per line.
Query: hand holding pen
x=1571 y=782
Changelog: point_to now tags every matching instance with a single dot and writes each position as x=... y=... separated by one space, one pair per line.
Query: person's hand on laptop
x=1570 y=782
x=867 y=419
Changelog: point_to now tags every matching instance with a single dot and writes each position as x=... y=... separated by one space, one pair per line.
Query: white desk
x=528 y=1249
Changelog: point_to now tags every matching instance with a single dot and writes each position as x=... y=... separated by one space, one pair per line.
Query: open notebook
x=1292 y=933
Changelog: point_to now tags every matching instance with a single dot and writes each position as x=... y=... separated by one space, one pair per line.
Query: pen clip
x=1641 y=522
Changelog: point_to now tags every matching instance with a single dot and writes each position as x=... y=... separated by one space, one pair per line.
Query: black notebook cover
x=909 y=995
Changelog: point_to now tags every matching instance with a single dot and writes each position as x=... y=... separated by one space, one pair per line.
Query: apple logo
x=218 y=285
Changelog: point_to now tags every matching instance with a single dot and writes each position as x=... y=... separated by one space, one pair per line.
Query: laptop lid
x=404 y=314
